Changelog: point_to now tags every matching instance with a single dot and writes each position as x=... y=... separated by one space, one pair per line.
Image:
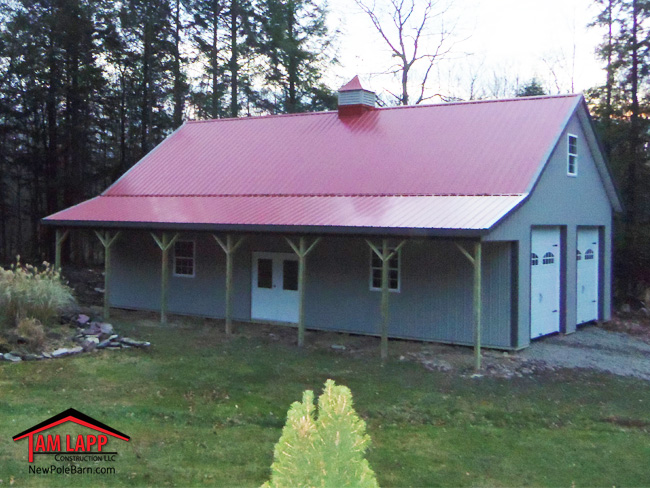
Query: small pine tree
x=327 y=451
x=531 y=89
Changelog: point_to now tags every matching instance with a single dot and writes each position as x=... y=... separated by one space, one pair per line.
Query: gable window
x=393 y=271
x=572 y=161
x=589 y=254
x=548 y=258
x=184 y=257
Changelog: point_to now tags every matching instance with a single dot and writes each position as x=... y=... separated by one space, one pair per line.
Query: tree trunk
x=146 y=81
x=178 y=81
x=234 y=66
x=215 y=60
x=292 y=100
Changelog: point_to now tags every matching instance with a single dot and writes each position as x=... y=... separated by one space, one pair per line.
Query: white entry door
x=275 y=287
x=544 y=281
x=587 y=269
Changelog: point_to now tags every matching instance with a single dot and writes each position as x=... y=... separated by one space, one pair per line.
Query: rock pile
x=90 y=335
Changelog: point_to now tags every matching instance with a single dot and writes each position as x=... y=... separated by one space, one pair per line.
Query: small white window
x=572 y=161
x=184 y=254
x=394 y=278
x=589 y=254
x=549 y=258
x=534 y=259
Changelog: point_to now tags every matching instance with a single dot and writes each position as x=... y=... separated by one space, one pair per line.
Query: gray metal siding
x=562 y=200
x=434 y=302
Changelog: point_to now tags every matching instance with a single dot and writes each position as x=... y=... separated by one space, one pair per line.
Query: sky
x=499 y=44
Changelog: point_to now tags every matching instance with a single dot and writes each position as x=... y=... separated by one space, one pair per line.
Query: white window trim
x=177 y=275
x=569 y=154
x=399 y=272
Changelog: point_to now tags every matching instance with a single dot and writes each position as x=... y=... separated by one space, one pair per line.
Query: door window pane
x=265 y=273
x=290 y=275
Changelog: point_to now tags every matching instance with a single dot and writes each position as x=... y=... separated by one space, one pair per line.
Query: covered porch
x=421 y=287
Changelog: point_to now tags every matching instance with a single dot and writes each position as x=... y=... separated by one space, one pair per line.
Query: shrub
x=33 y=332
x=27 y=292
x=327 y=451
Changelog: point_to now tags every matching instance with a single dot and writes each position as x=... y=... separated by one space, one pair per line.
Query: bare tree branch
x=405 y=35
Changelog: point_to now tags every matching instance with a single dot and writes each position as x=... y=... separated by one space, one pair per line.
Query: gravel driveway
x=593 y=348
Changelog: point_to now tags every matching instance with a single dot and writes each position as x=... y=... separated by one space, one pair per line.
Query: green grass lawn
x=202 y=409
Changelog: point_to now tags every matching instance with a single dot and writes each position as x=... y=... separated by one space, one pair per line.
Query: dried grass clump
x=33 y=332
x=30 y=292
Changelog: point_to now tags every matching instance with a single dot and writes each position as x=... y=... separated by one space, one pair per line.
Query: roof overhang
x=418 y=216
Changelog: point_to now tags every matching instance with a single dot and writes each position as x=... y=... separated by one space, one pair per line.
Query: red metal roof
x=424 y=212
x=464 y=149
x=353 y=84
x=488 y=148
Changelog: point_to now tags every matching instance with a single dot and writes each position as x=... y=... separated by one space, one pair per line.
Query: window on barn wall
x=184 y=257
x=589 y=254
x=534 y=259
x=578 y=255
x=549 y=258
x=572 y=161
x=394 y=275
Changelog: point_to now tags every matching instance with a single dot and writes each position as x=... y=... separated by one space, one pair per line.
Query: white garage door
x=544 y=281
x=587 y=264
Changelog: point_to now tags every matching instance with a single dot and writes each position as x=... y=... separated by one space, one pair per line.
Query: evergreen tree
x=531 y=89
x=207 y=36
x=51 y=82
x=323 y=451
x=295 y=42
x=621 y=108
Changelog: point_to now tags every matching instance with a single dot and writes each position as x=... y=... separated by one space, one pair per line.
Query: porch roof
x=328 y=214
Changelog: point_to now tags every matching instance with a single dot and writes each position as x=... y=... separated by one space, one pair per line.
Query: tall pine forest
x=88 y=87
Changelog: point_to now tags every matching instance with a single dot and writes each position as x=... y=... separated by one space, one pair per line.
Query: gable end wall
x=569 y=202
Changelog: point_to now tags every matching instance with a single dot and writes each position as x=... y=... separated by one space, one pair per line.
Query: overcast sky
x=494 y=41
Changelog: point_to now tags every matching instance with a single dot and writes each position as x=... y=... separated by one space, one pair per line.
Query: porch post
x=476 y=261
x=107 y=241
x=165 y=243
x=61 y=236
x=229 y=248
x=302 y=251
x=385 y=255
x=477 y=304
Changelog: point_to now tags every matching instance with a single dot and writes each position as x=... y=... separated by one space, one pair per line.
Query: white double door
x=544 y=281
x=587 y=274
x=274 y=286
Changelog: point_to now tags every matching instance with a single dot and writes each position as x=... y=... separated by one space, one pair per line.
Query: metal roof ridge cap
x=260 y=117
x=479 y=102
x=398 y=107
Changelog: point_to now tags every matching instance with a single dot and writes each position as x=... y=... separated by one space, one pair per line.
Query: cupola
x=354 y=99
